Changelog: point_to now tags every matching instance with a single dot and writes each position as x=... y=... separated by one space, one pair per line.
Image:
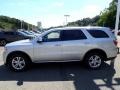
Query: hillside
x=8 y=23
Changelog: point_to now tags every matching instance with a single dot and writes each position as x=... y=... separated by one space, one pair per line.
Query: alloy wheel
x=95 y=61
x=18 y=63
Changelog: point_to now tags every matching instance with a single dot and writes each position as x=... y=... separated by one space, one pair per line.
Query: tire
x=18 y=62
x=94 y=60
x=3 y=42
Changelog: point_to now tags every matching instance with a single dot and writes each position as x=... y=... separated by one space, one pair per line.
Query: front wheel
x=18 y=62
x=94 y=60
x=3 y=42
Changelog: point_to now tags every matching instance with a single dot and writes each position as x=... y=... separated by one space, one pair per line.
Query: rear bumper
x=118 y=50
x=111 y=58
x=113 y=55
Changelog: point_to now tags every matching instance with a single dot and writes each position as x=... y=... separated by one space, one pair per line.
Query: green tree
x=108 y=16
x=12 y=23
x=85 y=22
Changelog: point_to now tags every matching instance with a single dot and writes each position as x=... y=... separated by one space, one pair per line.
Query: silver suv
x=92 y=45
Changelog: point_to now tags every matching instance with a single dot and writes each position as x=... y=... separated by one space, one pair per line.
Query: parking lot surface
x=61 y=76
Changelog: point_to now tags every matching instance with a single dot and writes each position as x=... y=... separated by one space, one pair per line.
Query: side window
x=52 y=36
x=18 y=33
x=1 y=33
x=9 y=33
x=98 y=34
x=72 y=35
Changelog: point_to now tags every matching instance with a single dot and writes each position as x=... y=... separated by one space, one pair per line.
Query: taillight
x=115 y=42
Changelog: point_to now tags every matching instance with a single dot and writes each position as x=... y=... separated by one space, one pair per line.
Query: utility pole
x=28 y=27
x=32 y=27
x=66 y=19
x=21 y=24
x=117 y=18
x=39 y=25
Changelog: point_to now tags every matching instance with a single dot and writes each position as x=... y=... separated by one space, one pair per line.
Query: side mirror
x=39 y=40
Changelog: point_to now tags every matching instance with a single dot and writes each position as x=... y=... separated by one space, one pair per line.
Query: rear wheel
x=94 y=60
x=18 y=62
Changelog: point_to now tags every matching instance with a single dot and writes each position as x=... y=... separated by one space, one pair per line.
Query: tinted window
x=1 y=32
x=72 y=35
x=98 y=34
x=52 y=36
x=27 y=32
x=21 y=33
x=9 y=33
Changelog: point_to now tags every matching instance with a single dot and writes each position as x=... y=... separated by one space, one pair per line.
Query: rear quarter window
x=98 y=34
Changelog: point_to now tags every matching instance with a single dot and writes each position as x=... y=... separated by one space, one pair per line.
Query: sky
x=51 y=12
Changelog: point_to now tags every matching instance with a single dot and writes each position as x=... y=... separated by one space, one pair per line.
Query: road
x=61 y=76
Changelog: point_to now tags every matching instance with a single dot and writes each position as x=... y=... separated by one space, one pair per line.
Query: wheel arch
x=4 y=39
x=18 y=52
x=100 y=51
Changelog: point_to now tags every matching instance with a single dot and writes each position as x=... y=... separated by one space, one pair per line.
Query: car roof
x=76 y=28
x=86 y=27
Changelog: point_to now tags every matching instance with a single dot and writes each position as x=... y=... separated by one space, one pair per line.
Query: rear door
x=10 y=36
x=73 y=44
x=19 y=36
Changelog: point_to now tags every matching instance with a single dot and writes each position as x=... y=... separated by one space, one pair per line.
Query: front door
x=50 y=48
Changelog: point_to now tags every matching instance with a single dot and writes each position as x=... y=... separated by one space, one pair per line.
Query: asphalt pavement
x=61 y=76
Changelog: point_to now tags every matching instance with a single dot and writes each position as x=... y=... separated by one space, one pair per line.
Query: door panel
x=50 y=48
x=48 y=51
x=10 y=36
x=73 y=50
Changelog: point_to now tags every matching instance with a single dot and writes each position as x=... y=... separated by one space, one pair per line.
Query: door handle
x=57 y=45
x=86 y=43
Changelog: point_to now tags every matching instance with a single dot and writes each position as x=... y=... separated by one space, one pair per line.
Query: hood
x=21 y=42
x=30 y=36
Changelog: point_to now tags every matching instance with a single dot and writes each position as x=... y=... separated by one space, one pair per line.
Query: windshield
x=32 y=32
x=27 y=32
x=38 y=32
x=22 y=33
